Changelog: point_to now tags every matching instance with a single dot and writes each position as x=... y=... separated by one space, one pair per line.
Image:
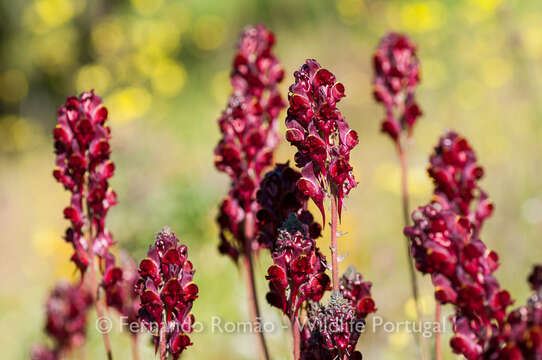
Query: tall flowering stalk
x=83 y=166
x=66 y=321
x=446 y=244
x=167 y=294
x=396 y=75
x=249 y=139
x=323 y=140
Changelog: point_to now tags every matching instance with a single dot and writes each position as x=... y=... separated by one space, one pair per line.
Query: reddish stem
x=438 y=348
x=296 y=338
x=251 y=285
x=334 y=256
x=135 y=347
x=162 y=344
x=406 y=218
x=95 y=290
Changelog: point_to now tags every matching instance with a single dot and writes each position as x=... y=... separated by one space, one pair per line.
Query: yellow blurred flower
x=49 y=244
x=168 y=78
x=128 y=103
x=95 y=77
x=43 y=15
x=209 y=32
x=55 y=51
x=387 y=177
x=13 y=85
x=421 y=16
x=399 y=339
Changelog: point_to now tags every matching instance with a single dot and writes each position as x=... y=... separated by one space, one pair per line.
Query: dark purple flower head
x=119 y=283
x=249 y=136
x=279 y=197
x=321 y=135
x=167 y=292
x=66 y=311
x=396 y=74
x=461 y=267
x=521 y=336
x=335 y=330
x=455 y=173
x=84 y=168
x=298 y=273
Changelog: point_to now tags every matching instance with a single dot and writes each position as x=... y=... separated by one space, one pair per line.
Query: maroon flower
x=396 y=74
x=66 y=320
x=521 y=336
x=335 y=330
x=321 y=135
x=119 y=284
x=83 y=167
x=279 y=197
x=167 y=292
x=298 y=273
x=249 y=136
x=455 y=173
x=358 y=292
x=461 y=267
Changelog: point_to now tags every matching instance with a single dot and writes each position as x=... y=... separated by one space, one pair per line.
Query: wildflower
x=321 y=135
x=119 y=284
x=455 y=173
x=336 y=330
x=83 y=167
x=521 y=336
x=66 y=321
x=298 y=272
x=249 y=137
x=167 y=292
x=461 y=267
x=396 y=74
x=358 y=292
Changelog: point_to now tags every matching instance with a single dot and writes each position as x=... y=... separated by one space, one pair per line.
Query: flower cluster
x=298 y=273
x=167 y=292
x=334 y=329
x=461 y=267
x=66 y=320
x=279 y=197
x=249 y=136
x=455 y=173
x=83 y=167
x=396 y=74
x=321 y=135
x=119 y=284
x=521 y=337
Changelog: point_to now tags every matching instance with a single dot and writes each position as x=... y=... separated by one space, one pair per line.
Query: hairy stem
x=438 y=348
x=296 y=338
x=251 y=286
x=95 y=290
x=162 y=344
x=334 y=256
x=135 y=347
x=406 y=218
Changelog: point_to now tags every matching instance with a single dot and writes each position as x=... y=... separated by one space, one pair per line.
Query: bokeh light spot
x=128 y=103
x=168 y=78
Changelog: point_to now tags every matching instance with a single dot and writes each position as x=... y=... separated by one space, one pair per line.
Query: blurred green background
x=162 y=69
